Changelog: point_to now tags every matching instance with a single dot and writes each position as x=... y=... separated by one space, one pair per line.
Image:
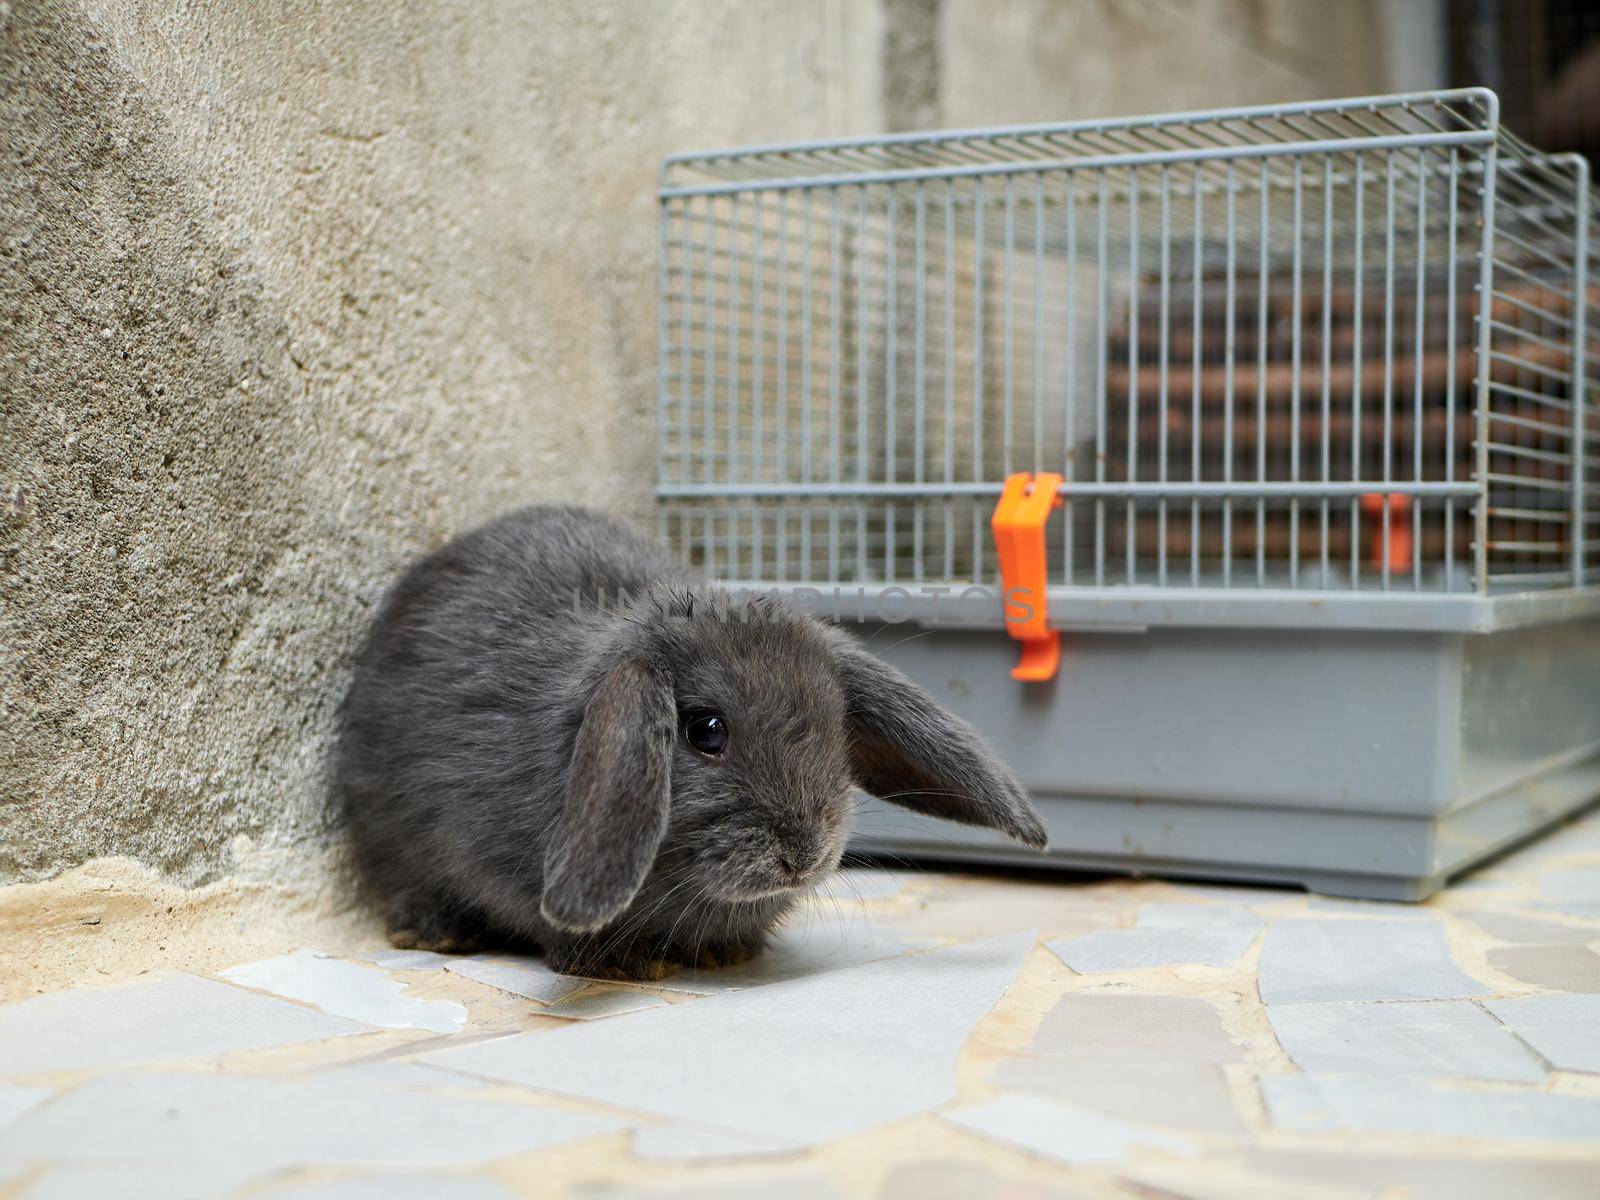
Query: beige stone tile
x=1565 y=968
x=1134 y=1027
x=1187 y=1095
x=960 y=1181
x=1063 y=1132
x=1441 y=1177
x=1517 y=927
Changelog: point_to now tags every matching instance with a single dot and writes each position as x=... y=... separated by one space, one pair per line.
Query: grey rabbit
x=558 y=737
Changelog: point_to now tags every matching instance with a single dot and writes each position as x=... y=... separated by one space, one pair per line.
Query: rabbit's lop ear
x=907 y=750
x=618 y=799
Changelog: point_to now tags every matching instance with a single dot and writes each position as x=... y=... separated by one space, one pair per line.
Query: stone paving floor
x=917 y=1035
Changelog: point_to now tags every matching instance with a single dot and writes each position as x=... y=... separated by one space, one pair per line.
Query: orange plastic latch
x=1373 y=503
x=1019 y=520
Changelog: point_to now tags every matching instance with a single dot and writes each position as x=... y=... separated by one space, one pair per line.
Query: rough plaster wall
x=290 y=292
x=912 y=64
x=293 y=290
x=1036 y=60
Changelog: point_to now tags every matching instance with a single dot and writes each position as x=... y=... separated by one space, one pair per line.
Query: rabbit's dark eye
x=708 y=734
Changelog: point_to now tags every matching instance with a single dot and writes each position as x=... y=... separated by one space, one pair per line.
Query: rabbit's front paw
x=725 y=954
x=414 y=939
x=623 y=968
x=418 y=922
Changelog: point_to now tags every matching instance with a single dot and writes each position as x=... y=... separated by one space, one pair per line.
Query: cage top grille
x=1347 y=345
x=1373 y=121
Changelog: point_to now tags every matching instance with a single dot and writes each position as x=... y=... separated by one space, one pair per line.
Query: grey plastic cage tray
x=1352 y=762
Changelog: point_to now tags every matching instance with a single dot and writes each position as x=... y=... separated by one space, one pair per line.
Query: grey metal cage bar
x=1317 y=348
x=1320 y=380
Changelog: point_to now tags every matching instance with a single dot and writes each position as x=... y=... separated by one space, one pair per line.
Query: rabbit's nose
x=800 y=859
x=794 y=857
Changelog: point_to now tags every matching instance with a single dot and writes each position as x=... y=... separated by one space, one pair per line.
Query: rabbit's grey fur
x=512 y=765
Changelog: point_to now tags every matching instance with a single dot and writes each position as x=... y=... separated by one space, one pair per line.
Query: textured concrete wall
x=290 y=292
x=1030 y=60
x=293 y=290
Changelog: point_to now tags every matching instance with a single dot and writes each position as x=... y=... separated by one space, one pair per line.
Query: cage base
x=1265 y=845
x=1349 y=763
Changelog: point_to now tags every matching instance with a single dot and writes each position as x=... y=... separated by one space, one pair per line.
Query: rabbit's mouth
x=772 y=892
x=776 y=885
x=780 y=878
x=784 y=876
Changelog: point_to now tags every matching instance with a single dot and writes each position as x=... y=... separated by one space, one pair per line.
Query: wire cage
x=1251 y=340
x=1303 y=369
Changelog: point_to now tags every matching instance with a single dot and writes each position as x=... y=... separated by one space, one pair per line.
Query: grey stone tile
x=860 y=883
x=1575 y=837
x=1062 y=1132
x=143 y=1181
x=272 y=1121
x=1183 y=917
x=1142 y=1027
x=1164 y=935
x=1565 y=1030
x=1404 y=1104
x=406 y=960
x=1513 y=927
x=594 y=1006
x=679 y=1142
x=177 y=1017
x=346 y=990
x=1565 y=968
x=1242 y=894
x=1305 y=960
x=818 y=941
x=391 y=1187
x=405 y=1072
x=1189 y=1095
x=805 y=1061
x=521 y=976
x=16 y=1099
x=1486 y=890
x=1422 y=1037
x=1348 y=907
x=1574 y=890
